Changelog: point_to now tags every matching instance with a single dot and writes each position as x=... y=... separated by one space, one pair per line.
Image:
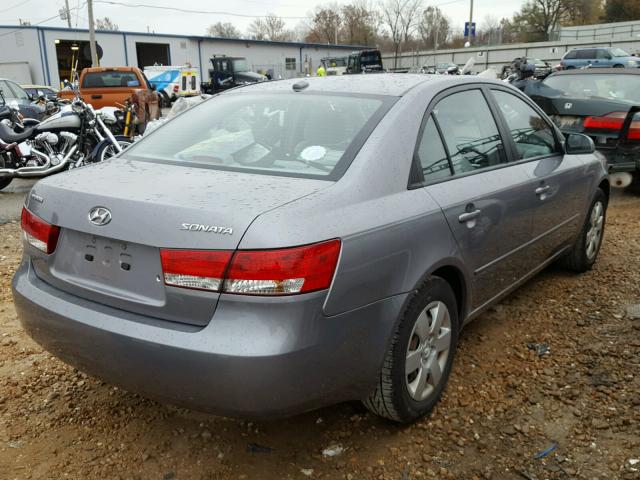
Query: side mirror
x=577 y=144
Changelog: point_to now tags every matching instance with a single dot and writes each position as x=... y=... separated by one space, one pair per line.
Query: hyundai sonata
x=293 y=244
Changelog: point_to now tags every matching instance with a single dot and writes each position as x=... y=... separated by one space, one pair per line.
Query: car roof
x=595 y=71
x=392 y=84
x=587 y=48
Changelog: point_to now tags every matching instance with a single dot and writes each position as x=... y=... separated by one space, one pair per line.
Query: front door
x=484 y=197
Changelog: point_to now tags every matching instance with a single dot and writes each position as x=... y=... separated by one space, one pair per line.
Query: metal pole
x=66 y=4
x=470 y=21
x=92 y=36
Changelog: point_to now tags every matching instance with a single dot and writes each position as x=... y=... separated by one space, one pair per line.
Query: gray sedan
x=293 y=244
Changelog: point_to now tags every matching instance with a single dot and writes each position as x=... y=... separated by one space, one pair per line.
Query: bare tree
x=325 y=24
x=223 y=30
x=360 y=23
x=538 y=18
x=399 y=17
x=270 y=27
x=434 y=27
x=489 y=32
x=105 y=24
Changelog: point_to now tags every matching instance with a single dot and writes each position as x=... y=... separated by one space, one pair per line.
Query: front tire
x=107 y=151
x=419 y=359
x=584 y=252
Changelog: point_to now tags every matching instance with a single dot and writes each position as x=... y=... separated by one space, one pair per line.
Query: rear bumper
x=258 y=357
x=617 y=161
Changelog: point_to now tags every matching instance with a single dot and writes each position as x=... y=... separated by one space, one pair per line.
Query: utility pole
x=470 y=21
x=92 y=36
x=66 y=4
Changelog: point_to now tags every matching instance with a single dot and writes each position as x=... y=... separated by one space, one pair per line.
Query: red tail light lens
x=611 y=121
x=198 y=269
x=283 y=272
x=176 y=88
x=614 y=121
x=38 y=233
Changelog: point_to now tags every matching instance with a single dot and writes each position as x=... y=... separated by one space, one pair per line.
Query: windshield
x=370 y=58
x=335 y=62
x=291 y=134
x=110 y=79
x=618 y=52
x=240 y=65
x=615 y=86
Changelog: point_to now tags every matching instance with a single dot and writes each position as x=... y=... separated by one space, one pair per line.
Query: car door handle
x=96 y=97
x=541 y=190
x=465 y=217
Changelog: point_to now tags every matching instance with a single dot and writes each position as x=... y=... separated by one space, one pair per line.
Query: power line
x=184 y=10
x=40 y=22
x=15 y=6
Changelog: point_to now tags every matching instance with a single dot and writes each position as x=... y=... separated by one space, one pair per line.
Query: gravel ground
x=504 y=405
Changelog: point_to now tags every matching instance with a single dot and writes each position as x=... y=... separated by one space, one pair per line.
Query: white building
x=52 y=52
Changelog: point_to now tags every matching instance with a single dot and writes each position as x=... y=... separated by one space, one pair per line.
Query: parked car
x=11 y=92
x=604 y=104
x=598 y=57
x=114 y=86
x=445 y=67
x=260 y=254
x=541 y=68
x=36 y=91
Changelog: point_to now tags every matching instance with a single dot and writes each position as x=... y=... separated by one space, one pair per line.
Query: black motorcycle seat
x=8 y=135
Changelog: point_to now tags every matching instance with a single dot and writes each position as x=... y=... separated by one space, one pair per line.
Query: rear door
x=560 y=190
x=486 y=199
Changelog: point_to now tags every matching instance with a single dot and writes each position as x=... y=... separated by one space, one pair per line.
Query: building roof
x=192 y=37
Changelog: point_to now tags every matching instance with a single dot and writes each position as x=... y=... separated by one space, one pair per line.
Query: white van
x=173 y=82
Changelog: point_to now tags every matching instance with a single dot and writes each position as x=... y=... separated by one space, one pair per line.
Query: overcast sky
x=138 y=19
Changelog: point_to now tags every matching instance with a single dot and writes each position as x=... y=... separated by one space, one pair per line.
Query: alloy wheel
x=594 y=233
x=428 y=350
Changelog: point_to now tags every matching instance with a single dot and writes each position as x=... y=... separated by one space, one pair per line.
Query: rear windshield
x=290 y=134
x=110 y=79
x=602 y=85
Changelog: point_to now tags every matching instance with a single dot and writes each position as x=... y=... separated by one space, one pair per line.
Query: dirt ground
x=504 y=406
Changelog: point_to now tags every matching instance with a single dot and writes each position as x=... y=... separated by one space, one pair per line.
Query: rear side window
x=530 y=132
x=572 y=54
x=432 y=155
x=291 y=134
x=469 y=131
x=18 y=91
x=193 y=82
x=587 y=53
x=110 y=80
x=184 y=82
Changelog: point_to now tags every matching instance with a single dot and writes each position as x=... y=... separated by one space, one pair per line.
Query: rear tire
x=4 y=182
x=618 y=66
x=165 y=101
x=107 y=151
x=418 y=362
x=584 y=252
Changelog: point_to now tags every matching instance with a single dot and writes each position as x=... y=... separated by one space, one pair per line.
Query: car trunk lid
x=151 y=206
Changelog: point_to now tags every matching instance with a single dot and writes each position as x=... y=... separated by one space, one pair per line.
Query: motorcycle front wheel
x=4 y=182
x=107 y=151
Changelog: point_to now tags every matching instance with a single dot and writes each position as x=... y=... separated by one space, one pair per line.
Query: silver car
x=293 y=244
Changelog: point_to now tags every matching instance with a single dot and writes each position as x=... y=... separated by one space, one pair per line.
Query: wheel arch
x=605 y=186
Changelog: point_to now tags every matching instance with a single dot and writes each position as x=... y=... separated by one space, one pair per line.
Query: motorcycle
x=74 y=136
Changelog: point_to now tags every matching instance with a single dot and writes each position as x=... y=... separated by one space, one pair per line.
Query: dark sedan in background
x=10 y=91
x=603 y=103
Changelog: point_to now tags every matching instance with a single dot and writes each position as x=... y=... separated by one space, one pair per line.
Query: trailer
x=173 y=82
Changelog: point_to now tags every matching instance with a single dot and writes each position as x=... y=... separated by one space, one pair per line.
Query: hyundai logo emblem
x=99 y=216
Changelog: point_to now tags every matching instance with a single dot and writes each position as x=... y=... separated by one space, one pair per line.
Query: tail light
x=199 y=269
x=176 y=88
x=38 y=233
x=284 y=271
x=614 y=121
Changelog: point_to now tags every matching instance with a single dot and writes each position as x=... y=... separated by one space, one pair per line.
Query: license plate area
x=123 y=270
